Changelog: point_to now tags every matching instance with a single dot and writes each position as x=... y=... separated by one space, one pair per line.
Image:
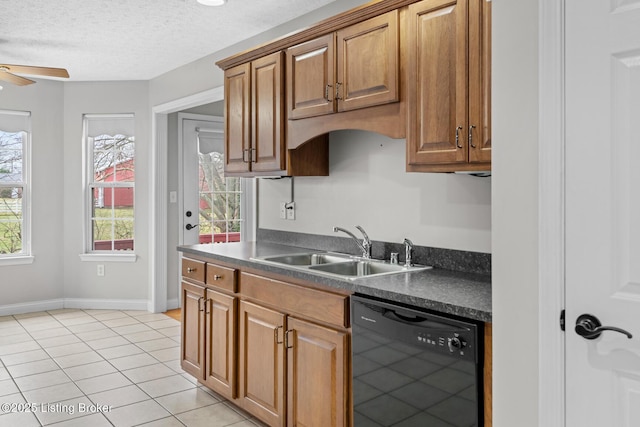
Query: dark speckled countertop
x=462 y=294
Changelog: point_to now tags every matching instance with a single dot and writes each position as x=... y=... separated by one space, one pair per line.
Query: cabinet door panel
x=368 y=63
x=220 y=372
x=317 y=376
x=437 y=102
x=237 y=111
x=267 y=136
x=310 y=78
x=192 y=357
x=262 y=363
x=480 y=80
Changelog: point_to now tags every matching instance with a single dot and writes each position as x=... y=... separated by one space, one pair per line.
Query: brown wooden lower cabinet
x=271 y=360
x=312 y=359
x=192 y=348
x=317 y=375
x=220 y=343
x=262 y=363
x=208 y=337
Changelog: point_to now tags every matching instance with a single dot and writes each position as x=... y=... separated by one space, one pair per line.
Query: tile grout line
x=197 y=386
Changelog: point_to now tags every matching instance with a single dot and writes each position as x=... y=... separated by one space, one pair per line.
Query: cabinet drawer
x=193 y=269
x=311 y=303
x=222 y=277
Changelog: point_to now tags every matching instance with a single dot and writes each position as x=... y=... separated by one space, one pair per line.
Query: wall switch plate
x=291 y=210
x=100 y=270
x=283 y=210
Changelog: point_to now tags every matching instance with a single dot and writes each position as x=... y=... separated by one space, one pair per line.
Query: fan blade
x=16 y=80
x=36 y=71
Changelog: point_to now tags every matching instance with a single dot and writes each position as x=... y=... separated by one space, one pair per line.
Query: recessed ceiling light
x=212 y=2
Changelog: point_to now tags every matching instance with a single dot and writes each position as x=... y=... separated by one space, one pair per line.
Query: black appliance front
x=413 y=368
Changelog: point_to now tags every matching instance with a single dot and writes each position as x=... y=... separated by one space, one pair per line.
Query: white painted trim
x=31 y=307
x=551 y=210
x=95 y=257
x=173 y=303
x=81 y=303
x=17 y=260
x=106 y=304
x=158 y=203
x=158 y=217
x=206 y=97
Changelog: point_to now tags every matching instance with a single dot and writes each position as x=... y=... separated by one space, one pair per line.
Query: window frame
x=89 y=186
x=25 y=256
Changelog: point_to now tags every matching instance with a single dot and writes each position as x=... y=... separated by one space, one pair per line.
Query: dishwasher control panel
x=420 y=329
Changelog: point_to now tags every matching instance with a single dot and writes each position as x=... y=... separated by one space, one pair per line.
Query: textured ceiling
x=131 y=39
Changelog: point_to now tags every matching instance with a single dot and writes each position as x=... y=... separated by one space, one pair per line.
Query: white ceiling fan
x=9 y=73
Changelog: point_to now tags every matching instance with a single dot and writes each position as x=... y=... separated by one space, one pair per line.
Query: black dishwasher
x=413 y=368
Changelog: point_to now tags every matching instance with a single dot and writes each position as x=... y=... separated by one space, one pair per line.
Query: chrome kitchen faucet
x=365 y=246
x=408 y=249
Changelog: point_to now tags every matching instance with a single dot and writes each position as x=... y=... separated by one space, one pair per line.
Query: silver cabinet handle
x=287 y=343
x=458 y=136
x=276 y=334
x=326 y=92
x=191 y=270
x=217 y=277
x=471 y=136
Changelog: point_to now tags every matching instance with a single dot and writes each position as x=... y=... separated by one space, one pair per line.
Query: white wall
x=42 y=280
x=515 y=208
x=122 y=281
x=368 y=186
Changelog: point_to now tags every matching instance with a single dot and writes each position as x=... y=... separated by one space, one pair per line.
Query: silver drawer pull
x=191 y=270
x=217 y=277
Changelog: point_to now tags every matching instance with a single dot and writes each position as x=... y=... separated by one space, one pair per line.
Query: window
x=110 y=176
x=219 y=196
x=15 y=129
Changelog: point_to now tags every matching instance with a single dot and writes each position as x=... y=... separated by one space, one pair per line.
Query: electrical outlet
x=291 y=210
x=283 y=210
x=100 y=270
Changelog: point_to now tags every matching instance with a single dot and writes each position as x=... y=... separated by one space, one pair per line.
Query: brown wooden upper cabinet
x=352 y=68
x=449 y=85
x=254 y=124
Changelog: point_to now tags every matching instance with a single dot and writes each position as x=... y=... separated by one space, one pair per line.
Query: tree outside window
x=111 y=184
x=12 y=185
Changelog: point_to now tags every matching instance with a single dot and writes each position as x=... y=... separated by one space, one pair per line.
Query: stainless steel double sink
x=338 y=265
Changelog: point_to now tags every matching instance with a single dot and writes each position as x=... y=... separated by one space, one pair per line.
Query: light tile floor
x=102 y=368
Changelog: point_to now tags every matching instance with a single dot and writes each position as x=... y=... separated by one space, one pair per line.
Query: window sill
x=17 y=260
x=109 y=257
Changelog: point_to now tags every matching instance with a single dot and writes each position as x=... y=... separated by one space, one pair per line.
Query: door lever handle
x=589 y=327
x=190 y=227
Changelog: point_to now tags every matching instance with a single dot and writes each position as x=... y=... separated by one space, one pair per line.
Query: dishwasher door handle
x=393 y=315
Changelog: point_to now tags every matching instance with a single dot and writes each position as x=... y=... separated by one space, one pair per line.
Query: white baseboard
x=31 y=307
x=82 y=303
x=106 y=304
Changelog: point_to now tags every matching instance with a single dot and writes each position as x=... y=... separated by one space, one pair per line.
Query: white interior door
x=603 y=211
